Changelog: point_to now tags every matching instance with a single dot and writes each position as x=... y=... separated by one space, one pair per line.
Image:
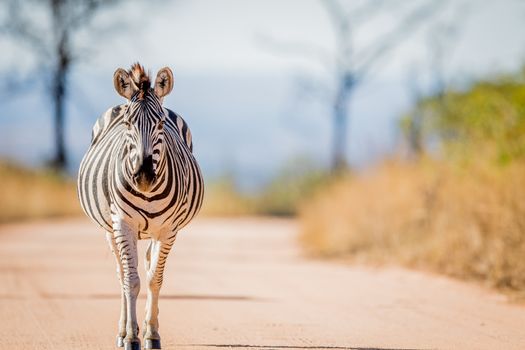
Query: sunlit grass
x=466 y=221
x=35 y=194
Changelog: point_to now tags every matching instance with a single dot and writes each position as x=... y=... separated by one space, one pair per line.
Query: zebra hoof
x=120 y=341
x=152 y=344
x=132 y=345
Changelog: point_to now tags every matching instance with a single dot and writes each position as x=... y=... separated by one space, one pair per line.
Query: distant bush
x=33 y=194
x=292 y=186
x=281 y=196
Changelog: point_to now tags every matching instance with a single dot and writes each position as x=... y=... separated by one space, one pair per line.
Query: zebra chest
x=148 y=217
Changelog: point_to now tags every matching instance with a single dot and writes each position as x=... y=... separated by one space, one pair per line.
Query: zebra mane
x=140 y=78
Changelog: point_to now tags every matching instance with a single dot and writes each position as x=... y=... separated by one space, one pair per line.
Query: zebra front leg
x=156 y=259
x=126 y=242
x=123 y=310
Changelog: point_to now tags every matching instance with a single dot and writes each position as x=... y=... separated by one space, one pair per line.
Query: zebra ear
x=163 y=82
x=123 y=84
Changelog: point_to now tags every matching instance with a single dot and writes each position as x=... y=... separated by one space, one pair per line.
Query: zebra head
x=144 y=118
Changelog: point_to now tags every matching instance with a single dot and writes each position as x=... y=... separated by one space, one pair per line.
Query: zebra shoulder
x=182 y=127
x=104 y=121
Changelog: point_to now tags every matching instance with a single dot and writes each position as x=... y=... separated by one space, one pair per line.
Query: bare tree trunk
x=415 y=136
x=59 y=84
x=341 y=115
x=59 y=92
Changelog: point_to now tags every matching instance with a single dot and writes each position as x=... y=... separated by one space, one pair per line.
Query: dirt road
x=237 y=284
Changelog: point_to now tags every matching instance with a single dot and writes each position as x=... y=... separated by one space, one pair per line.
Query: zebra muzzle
x=145 y=176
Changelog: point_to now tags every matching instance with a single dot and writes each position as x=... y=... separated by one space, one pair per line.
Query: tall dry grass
x=462 y=220
x=222 y=198
x=33 y=194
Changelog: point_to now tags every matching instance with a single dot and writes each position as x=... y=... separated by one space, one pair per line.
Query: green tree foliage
x=486 y=120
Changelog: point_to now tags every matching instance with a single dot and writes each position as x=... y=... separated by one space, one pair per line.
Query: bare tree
x=48 y=28
x=351 y=65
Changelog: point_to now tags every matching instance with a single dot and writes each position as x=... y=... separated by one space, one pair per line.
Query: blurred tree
x=351 y=63
x=48 y=29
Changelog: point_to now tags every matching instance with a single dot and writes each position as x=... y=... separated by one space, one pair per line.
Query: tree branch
x=337 y=13
x=314 y=88
x=297 y=49
x=20 y=28
x=366 y=11
x=87 y=10
x=367 y=59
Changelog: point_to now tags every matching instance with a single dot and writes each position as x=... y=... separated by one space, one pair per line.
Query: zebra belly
x=94 y=203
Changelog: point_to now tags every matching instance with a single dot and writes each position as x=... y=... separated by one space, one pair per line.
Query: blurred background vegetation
x=401 y=138
x=457 y=206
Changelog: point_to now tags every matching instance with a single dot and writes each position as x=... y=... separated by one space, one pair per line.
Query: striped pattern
x=140 y=180
x=175 y=201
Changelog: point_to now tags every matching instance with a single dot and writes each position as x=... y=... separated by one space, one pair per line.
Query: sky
x=244 y=101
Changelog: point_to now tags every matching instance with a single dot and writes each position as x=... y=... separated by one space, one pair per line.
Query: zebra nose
x=143 y=165
x=144 y=171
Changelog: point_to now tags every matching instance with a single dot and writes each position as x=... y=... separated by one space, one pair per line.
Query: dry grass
x=465 y=221
x=221 y=198
x=30 y=194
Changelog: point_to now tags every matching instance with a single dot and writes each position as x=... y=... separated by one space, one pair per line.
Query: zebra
x=140 y=180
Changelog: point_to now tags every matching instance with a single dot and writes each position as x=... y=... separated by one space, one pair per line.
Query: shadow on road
x=268 y=347
x=141 y=296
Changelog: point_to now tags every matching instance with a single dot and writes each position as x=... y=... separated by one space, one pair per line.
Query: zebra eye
x=160 y=125
x=127 y=124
